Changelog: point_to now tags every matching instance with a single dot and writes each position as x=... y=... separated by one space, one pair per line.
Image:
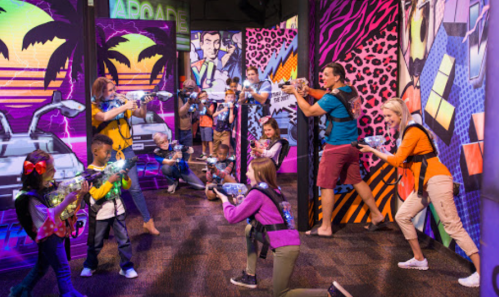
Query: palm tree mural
x=71 y=29
x=160 y=48
x=3 y=47
x=104 y=54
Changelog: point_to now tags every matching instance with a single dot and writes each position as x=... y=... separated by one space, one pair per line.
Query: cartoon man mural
x=211 y=68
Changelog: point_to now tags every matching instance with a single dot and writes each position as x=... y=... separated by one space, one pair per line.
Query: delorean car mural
x=14 y=147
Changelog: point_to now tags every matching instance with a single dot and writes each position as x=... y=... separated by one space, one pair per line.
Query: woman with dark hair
x=110 y=114
x=272 y=224
x=417 y=152
x=43 y=224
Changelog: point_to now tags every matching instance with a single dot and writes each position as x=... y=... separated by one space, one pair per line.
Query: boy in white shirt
x=106 y=209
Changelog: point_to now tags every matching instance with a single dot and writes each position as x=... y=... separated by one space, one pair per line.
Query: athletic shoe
x=130 y=273
x=335 y=290
x=472 y=281
x=414 y=264
x=205 y=169
x=87 y=272
x=202 y=157
x=245 y=280
x=172 y=187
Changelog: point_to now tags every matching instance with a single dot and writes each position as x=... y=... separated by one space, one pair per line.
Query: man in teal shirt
x=339 y=158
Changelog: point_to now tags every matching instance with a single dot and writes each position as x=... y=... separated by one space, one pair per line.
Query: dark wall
x=229 y=14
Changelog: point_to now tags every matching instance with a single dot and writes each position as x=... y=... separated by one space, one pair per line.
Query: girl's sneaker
x=248 y=281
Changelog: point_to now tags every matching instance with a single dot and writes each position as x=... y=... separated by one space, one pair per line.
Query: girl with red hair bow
x=43 y=224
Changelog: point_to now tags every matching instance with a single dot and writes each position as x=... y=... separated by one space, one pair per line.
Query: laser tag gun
x=63 y=188
x=372 y=141
x=211 y=161
x=181 y=148
x=298 y=83
x=116 y=167
x=141 y=95
x=246 y=84
x=231 y=190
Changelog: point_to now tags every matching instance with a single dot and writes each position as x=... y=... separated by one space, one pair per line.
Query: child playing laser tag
x=272 y=223
x=106 y=210
x=43 y=224
x=271 y=145
x=173 y=165
x=219 y=170
x=225 y=115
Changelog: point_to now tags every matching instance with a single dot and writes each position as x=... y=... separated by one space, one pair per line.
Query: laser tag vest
x=106 y=106
x=251 y=100
x=285 y=211
x=283 y=153
x=423 y=159
x=352 y=103
x=168 y=154
x=22 y=209
x=221 y=165
x=24 y=217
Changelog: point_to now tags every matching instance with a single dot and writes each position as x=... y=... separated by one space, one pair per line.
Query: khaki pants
x=284 y=262
x=220 y=138
x=439 y=192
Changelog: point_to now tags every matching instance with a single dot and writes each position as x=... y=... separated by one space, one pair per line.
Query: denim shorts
x=206 y=133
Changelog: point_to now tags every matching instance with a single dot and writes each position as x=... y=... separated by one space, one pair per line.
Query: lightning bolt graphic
x=279 y=59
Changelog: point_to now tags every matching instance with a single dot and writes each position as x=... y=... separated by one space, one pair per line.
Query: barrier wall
x=215 y=58
x=42 y=106
x=140 y=55
x=442 y=78
x=362 y=36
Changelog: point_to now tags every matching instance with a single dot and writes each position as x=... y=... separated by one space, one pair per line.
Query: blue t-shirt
x=342 y=133
x=265 y=87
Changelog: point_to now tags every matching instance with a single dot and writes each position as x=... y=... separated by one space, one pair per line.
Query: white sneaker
x=130 y=273
x=87 y=272
x=172 y=187
x=472 y=281
x=414 y=264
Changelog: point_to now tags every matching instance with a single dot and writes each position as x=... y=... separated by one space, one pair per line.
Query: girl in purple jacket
x=285 y=243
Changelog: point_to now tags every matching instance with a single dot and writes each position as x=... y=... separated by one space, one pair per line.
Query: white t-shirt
x=108 y=208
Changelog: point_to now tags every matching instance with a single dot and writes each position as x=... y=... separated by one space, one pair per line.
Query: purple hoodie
x=265 y=211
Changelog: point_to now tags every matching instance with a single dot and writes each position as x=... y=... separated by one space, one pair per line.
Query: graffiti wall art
x=442 y=78
x=42 y=106
x=140 y=56
x=363 y=37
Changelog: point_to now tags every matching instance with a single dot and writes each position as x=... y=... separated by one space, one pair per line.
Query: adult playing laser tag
x=110 y=114
x=340 y=159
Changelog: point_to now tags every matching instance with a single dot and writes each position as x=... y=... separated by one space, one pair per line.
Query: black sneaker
x=335 y=290
x=244 y=280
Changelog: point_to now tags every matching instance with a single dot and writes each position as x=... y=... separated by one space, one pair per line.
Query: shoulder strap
x=284 y=150
x=274 y=196
x=343 y=97
x=260 y=84
x=420 y=127
x=22 y=210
